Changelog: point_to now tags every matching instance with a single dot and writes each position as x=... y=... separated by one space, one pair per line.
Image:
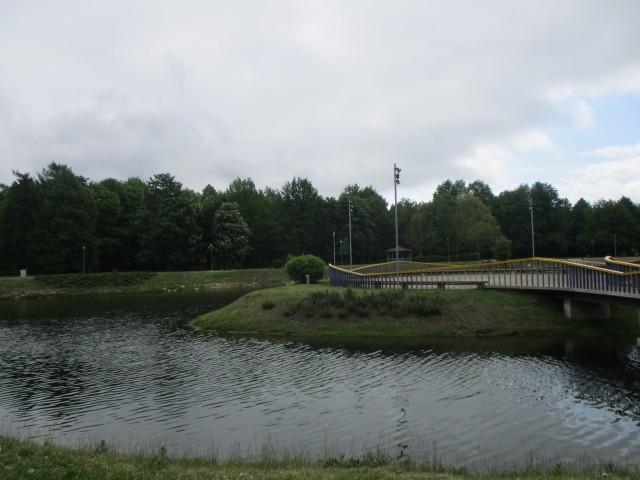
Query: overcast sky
x=335 y=91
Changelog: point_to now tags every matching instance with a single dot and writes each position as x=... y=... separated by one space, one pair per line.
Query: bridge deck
x=609 y=279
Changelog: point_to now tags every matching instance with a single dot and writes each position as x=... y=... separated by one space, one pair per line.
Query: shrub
x=299 y=267
x=277 y=264
x=268 y=305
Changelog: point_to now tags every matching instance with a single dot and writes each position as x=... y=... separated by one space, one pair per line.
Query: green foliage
x=299 y=267
x=387 y=302
x=277 y=263
x=268 y=305
x=230 y=235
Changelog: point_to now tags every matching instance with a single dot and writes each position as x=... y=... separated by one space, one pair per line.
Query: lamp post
x=341 y=257
x=334 y=247
x=350 y=249
x=533 y=242
x=396 y=182
x=211 y=255
x=84 y=259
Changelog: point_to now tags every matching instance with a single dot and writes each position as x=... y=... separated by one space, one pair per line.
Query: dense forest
x=59 y=222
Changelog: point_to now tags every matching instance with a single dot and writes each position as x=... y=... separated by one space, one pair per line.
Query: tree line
x=59 y=222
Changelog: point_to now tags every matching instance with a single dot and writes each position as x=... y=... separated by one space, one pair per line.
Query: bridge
x=587 y=287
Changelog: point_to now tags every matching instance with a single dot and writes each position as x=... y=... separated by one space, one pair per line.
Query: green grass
x=136 y=282
x=26 y=460
x=301 y=310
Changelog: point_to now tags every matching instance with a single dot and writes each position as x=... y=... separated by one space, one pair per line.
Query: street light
x=211 y=255
x=334 y=247
x=84 y=259
x=533 y=242
x=396 y=182
x=350 y=249
x=341 y=257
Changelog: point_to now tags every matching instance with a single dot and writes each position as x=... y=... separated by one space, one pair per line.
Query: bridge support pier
x=581 y=310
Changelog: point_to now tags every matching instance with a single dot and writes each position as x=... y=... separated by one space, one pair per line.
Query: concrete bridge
x=588 y=288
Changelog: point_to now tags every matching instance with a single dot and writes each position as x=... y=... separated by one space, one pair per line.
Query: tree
x=65 y=234
x=371 y=231
x=170 y=237
x=476 y=228
x=610 y=225
x=513 y=215
x=300 y=208
x=230 y=235
x=260 y=217
x=19 y=215
x=108 y=231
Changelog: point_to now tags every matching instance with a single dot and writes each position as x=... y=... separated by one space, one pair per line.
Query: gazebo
x=403 y=254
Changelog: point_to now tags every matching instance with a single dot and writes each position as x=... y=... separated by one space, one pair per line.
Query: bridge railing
x=527 y=273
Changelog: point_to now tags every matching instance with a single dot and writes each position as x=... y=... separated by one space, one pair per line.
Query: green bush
x=299 y=267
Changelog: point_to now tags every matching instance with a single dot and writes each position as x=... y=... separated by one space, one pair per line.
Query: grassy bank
x=308 y=310
x=136 y=282
x=23 y=460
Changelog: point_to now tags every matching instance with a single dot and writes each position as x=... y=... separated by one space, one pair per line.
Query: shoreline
x=463 y=313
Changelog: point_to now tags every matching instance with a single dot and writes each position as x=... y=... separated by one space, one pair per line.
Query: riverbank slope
x=322 y=310
x=114 y=283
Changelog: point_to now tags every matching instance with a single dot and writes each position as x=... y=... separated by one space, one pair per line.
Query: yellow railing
x=611 y=277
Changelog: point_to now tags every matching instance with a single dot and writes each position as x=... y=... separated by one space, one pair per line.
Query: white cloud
x=614 y=173
x=333 y=91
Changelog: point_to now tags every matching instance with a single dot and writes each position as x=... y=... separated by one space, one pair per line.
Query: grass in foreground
x=23 y=460
x=292 y=310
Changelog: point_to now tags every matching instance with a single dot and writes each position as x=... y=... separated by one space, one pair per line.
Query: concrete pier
x=581 y=310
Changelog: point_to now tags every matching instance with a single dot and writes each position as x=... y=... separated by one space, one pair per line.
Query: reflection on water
x=128 y=370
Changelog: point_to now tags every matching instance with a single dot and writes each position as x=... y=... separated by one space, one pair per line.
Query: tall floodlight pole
x=350 y=249
x=396 y=182
x=533 y=243
x=334 y=247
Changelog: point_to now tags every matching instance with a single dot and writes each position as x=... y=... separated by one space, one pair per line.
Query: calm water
x=129 y=370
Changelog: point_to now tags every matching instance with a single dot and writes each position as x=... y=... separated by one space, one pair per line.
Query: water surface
x=129 y=370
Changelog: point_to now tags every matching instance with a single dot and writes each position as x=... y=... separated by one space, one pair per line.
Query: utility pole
x=350 y=249
x=533 y=243
x=396 y=182
x=334 y=247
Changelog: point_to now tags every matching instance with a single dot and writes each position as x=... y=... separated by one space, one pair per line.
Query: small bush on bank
x=299 y=267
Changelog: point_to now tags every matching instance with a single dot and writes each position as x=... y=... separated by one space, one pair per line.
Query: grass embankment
x=325 y=310
x=23 y=460
x=136 y=282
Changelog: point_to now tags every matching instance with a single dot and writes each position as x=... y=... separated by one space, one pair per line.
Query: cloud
x=333 y=91
x=614 y=172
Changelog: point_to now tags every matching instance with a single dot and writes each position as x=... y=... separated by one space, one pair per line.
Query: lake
x=128 y=370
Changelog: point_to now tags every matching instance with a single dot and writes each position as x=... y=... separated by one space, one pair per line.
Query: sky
x=508 y=92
